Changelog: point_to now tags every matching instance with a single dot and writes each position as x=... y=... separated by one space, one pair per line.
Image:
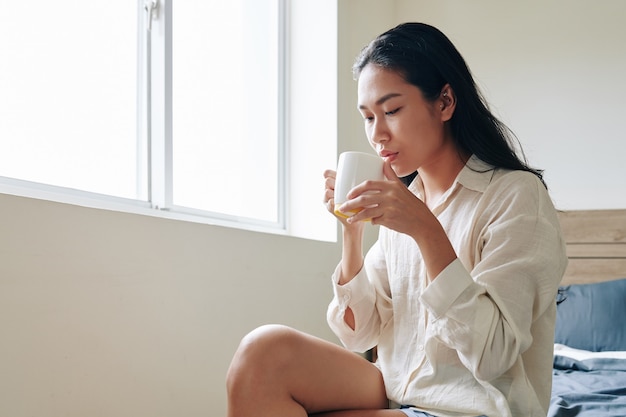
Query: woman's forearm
x=352 y=252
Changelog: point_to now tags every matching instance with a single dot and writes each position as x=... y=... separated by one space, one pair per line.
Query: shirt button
x=420 y=347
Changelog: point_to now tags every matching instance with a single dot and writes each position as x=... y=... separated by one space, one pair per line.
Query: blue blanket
x=588 y=388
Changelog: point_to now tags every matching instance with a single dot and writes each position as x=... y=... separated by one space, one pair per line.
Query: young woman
x=458 y=293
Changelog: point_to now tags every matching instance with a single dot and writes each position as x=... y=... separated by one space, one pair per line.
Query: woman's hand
x=329 y=190
x=329 y=197
x=390 y=203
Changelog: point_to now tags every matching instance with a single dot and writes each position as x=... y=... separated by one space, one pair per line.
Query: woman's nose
x=379 y=133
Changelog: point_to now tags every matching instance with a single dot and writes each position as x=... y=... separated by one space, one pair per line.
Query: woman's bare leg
x=278 y=371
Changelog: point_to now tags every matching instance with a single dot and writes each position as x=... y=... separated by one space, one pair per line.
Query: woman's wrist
x=352 y=252
x=437 y=251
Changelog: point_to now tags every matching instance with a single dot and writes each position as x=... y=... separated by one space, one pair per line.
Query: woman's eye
x=368 y=118
x=392 y=112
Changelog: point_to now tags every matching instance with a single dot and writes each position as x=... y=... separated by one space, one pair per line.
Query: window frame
x=154 y=134
x=158 y=135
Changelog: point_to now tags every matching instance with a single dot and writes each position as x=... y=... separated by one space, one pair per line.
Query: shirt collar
x=475 y=175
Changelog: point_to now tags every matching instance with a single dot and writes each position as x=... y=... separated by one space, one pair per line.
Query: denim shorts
x=412 y=412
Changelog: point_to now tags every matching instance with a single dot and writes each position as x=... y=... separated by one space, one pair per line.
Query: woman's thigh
x=280 y=364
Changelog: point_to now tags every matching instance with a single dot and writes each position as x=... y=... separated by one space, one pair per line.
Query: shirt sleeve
x=486 y=314
x=367 y=295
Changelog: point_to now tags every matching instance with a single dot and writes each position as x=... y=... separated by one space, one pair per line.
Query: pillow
x=592 y=316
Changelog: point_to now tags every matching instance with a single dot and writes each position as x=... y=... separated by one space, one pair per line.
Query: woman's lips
x=389 y=156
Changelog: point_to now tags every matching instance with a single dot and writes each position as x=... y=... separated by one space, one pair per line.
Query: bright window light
x=68 y=103
x=226 y=107
x=77 y=113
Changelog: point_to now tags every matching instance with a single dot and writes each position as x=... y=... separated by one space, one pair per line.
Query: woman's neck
x=438 y=176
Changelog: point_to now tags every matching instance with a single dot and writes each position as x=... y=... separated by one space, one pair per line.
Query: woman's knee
x=268 y=340
x=261 y=354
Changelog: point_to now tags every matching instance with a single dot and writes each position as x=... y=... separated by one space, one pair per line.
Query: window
x=183 y=112
x=226 y=107
x=68 y=102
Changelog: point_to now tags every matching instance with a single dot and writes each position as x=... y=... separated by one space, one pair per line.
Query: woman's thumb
x=389 y=173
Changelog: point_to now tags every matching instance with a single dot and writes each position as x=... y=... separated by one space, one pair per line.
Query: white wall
x=112 y=314
x=554 y=72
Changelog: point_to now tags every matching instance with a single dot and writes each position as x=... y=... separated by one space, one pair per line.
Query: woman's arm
x=519 y=259
x=352 y=247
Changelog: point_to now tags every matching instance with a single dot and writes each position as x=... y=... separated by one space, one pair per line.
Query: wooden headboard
x=596 y=245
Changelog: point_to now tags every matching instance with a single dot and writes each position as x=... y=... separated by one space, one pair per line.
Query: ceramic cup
x=354 y=168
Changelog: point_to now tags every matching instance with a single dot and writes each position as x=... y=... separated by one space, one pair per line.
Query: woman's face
x=400 y=124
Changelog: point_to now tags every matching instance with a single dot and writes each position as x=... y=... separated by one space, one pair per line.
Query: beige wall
x=111 y=314
x=554 y=72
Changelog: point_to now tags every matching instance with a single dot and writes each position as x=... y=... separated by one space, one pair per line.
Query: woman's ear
x=447 y=102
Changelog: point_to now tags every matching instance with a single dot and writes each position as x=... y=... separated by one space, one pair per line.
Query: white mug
x=354 y=168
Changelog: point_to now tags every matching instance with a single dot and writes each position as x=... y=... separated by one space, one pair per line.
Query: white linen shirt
x=479 y=338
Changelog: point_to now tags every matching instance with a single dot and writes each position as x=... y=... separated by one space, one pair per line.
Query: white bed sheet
x=581 y=355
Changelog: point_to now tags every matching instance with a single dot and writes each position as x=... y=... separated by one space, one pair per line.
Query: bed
x=589 y=368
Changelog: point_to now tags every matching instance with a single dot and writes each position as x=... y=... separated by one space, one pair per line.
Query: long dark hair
x=426 y=58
